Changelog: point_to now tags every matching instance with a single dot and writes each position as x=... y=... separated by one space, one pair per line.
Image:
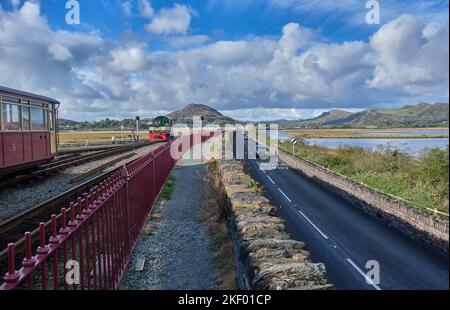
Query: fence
x=90 y=243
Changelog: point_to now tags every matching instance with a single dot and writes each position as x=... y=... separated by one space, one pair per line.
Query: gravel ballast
x=21 y=197
x=177 y=255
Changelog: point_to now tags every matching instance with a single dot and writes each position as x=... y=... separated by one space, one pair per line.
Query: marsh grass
x=355 y=133
x=421 y=181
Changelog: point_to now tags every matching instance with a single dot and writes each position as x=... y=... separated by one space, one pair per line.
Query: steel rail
x=60 y=165
x=27 y=217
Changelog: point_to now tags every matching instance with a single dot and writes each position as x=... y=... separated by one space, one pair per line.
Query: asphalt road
x=345 y=238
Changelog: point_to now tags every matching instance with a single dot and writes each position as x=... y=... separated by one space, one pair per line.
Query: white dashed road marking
x=285 y=196
x=368 y=280
x=313 y=225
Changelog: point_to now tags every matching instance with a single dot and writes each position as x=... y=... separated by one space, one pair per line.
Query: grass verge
x=167 y=191
x=423 y=181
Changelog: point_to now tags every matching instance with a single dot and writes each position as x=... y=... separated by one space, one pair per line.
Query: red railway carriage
x=28 y=134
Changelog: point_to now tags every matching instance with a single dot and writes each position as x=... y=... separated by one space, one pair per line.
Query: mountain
x=329 y=117
x=210 y=115
x=195 y=110
x=420 y=115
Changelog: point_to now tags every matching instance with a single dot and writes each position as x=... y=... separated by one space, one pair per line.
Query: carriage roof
x=31 y=96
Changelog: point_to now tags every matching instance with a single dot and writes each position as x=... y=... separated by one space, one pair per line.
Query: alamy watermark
x=373 y=13
x=373 y=275
x=72 y=272
x=73 y=13
x=231 y=141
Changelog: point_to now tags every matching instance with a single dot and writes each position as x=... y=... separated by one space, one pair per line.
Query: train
x=28 y=129
x=159 y=130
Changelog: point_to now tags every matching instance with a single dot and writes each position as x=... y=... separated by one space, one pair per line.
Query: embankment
x=266 y=257
x=414 y=223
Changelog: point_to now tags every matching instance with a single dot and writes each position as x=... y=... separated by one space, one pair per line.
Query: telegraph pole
x=137 y=127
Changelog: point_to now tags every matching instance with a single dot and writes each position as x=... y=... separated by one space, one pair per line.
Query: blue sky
x=337 y=21
x=253 y=59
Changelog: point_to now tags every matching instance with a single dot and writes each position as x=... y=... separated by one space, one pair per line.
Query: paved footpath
x=177 y=255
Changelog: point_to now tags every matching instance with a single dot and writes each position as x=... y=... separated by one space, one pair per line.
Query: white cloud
x=187 y=41
x=15 y=3
x=127 y=8
x=146 y=9
x=410 y=53
x=406 y=61
x=171 y=20
x=129 y=59
x=294 y=37
x=268 y=114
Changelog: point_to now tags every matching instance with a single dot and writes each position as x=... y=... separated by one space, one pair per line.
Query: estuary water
x=411 y=146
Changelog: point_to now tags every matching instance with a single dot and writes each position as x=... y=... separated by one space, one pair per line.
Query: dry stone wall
x=415 y=223
x=266 y=257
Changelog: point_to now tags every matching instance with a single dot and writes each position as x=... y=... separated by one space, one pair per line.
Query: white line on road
x=271 y=180
x=259 y=166
x=313 y=225
x=368 y=280
x=285 y=196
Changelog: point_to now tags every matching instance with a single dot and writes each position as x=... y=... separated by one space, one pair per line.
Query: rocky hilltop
x=210 y=115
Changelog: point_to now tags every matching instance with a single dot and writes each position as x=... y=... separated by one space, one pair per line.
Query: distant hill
x=329 y=117
x=106 y=124
x=195 y=110
x=421 y=115
x=210 y=115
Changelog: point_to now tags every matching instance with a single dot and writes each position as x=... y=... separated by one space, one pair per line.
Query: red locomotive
x=28 y=133
x=160 y=129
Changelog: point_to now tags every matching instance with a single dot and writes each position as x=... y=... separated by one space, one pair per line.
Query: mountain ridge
x=420 y=115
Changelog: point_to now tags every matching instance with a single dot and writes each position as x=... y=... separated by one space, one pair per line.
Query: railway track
x=12 y=230
x=68 y=160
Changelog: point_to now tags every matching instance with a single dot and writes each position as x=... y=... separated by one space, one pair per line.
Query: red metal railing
x=90 y=243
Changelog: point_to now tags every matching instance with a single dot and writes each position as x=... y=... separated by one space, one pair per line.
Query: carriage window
x=37 y=104
x=10 y=99
x=11 y=117
x=26 y=118
x=37 y=119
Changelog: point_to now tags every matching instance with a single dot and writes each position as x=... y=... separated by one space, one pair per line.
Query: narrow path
x=177 y=255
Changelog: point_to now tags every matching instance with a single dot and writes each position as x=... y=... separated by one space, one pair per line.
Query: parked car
x=262 y=152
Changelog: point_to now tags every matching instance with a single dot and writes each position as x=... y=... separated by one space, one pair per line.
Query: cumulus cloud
x=171 y=20
x=129 y=59
x=94 y=77
x=411 y=55
x=146 y=9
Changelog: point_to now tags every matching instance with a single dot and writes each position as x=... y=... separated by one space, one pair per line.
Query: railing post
x=12 y=276
x=126 y=233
